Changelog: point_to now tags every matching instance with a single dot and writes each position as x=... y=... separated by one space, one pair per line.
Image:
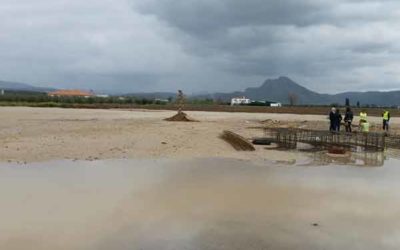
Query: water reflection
x=198 y=204
x=352 y=156
x=367 y=159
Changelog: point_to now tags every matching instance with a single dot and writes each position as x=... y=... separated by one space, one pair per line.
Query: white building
x=276 y=104
x=161 y=100
x=240 y=101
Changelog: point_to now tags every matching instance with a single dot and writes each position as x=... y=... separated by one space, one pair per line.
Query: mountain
x=22 y=87
x=277 y=90
x=280 y=89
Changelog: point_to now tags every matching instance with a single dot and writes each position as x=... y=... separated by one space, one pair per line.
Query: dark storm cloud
x=372 y=47
x=207 y=45
x=320 y=42
x=207 y=17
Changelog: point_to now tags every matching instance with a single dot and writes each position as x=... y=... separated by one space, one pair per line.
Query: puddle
x=308 y=155
x=198 y=204
x=360 y=159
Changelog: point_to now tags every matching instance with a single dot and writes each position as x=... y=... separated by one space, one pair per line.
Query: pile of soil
x=238 y=142
x=180 y=117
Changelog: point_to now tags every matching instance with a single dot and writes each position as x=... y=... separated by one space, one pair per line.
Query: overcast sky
x=201 y=45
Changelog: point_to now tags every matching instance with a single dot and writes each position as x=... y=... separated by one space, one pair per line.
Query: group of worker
x=336 y=120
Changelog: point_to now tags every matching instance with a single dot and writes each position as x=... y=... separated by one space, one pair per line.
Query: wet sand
x=198 y=204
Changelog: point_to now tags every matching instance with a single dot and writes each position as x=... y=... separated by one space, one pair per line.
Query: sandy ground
x=41 y=134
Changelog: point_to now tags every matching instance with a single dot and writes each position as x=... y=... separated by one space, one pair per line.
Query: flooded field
x=198 y=204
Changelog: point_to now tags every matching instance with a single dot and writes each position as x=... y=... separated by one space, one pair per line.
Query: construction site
x=288 y=136
x=141 y=179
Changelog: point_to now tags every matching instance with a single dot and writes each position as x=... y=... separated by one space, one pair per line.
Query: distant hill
x=153 y=95
x=389 y=98
x=22 y=87
x=279 y=90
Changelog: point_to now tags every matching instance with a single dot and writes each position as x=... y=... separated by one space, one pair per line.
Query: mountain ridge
x=279 y=89
x=16 y=86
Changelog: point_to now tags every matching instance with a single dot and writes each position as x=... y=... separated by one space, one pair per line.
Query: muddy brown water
x=198 y=204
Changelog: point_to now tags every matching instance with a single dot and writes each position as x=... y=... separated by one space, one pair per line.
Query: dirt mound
x=237 y=141
x=180 y=117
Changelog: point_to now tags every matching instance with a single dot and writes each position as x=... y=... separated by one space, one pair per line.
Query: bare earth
x=42 y=134
x=162 y=198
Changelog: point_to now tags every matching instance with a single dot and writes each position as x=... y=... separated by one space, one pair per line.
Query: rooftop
x=70 y=92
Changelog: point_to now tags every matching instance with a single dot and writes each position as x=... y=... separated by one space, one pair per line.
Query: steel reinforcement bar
x=289 y=137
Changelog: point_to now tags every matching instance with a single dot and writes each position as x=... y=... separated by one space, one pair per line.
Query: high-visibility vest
x=365 y=127
x=363 y=116
x=386 y=115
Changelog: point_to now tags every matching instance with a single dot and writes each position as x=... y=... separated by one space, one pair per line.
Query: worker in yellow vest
x=363 y=116
x=364 y=125
x=386 y=119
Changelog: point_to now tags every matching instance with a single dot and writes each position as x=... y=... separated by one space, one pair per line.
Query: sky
x=201 y=45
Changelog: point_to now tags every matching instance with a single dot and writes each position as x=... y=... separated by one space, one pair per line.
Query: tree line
x=31 y=97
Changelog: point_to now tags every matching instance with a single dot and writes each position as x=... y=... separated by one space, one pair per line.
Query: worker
x=364 y=125
x=348 y=119
x=338 y=120
x=335 y=118
x=332 y=119
x=386 y=119
x=363 y=116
